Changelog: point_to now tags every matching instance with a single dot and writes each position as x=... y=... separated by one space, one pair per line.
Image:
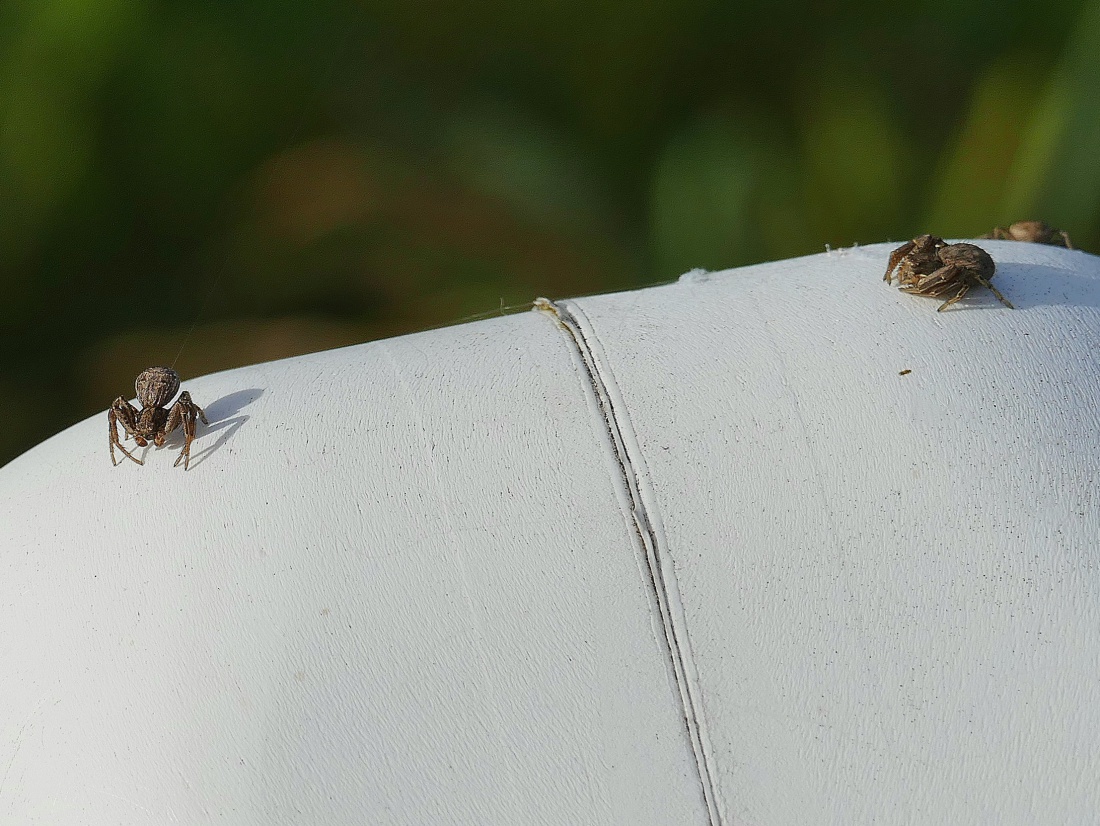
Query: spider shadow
x=230 y=426
x=221 y=409
x=219 y=414
x=1038 y=285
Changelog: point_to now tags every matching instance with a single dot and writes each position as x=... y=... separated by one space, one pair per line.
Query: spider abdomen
x=156 y=386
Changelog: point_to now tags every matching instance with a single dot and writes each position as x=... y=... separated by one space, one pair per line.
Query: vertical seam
x=649 y=534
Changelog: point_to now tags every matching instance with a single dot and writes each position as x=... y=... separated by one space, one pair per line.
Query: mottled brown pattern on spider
x=1037 y=232
x=915 y=259
x=155 y=387
x=930 y=266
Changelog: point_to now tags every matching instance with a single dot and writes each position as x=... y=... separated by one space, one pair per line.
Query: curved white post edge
x=780 y=545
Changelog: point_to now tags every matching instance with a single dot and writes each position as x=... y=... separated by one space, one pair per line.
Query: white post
x=777 y=545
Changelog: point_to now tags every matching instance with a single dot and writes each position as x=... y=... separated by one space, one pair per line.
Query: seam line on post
x=648 y=533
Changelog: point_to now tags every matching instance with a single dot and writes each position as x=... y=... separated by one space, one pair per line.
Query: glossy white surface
x=423 y=581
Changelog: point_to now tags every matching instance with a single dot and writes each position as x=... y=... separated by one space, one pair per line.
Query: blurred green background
x=279 y=177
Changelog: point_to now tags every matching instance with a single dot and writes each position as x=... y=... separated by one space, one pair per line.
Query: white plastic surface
x=691 y=554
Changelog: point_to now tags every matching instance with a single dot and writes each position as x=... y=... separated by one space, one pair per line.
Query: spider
x=1036 y=232
x=155 y=387
x=930 y=266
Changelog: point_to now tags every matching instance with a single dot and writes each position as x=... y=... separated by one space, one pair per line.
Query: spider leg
x=985 y=283
x=1065 y=237
x=125 y=413
x=185 y=412
x=935 y=283
x=895 y=259
x=963 y=290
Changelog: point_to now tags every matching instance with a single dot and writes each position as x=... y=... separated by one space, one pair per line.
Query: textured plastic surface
x=693 y=554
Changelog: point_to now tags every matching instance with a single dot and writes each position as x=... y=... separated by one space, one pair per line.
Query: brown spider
x=155 y=387
x=1037 y=232
x=930 y=266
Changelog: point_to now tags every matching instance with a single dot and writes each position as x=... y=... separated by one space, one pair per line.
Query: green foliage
x=281 y=177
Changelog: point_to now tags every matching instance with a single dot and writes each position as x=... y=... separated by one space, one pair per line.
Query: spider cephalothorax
x=930 y=266
x=155 y=387
x=1037 y=232
x=915 y=259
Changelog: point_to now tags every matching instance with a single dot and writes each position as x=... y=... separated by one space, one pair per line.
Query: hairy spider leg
x=895 y=259
x=986 y=283
x=963 y=290
x=121 y=411
x=935 y=283
x=185 y=412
